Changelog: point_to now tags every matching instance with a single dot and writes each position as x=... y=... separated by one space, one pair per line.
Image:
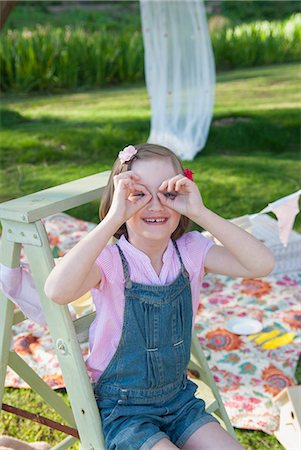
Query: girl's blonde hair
x=144 y=151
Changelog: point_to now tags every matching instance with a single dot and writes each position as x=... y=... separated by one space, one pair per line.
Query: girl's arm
x=241 y=255
x=77 y=271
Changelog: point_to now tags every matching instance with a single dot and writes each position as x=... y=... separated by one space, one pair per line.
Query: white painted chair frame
x=22 y=226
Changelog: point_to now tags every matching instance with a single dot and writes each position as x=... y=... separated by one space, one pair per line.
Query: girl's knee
x=163 y=444
x=212 y=436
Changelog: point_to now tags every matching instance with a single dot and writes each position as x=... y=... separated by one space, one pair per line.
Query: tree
x=5 y=9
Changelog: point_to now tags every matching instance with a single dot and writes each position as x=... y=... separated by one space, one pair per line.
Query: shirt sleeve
x=18 y=285
x=108 y=264
x=197 y=247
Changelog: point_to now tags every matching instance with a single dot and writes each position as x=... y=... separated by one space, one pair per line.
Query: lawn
x=251 y=158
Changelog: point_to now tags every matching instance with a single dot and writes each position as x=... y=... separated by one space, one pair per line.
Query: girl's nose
x=155 y=204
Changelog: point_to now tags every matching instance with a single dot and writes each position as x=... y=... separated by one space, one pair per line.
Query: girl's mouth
x=155 y=221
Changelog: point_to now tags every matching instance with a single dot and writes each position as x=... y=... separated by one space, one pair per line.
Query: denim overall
x=144 y=395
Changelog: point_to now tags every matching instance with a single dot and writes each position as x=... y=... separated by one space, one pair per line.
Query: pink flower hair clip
x=127 y=153
x=188 y=173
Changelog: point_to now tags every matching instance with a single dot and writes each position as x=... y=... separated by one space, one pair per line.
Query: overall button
x=120 y=402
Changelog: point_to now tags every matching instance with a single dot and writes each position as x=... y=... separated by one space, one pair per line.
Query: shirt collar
x=130 y=250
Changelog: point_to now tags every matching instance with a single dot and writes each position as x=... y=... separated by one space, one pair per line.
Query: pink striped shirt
x=105 y=331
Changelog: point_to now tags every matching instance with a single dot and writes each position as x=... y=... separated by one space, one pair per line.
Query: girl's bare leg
x=164 y=444
x=211 y=437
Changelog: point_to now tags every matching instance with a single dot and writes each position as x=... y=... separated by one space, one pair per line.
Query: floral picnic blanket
x=248 y=374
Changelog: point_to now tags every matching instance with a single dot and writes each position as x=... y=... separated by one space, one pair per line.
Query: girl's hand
x=129 y=196
x=182 y=195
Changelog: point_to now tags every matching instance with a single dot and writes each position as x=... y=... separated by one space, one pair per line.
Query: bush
x=258 y=43
x=253 y=10
x=62 y=58
x=49 y=59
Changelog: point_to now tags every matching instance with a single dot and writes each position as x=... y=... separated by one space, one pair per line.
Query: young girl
x=146 y=293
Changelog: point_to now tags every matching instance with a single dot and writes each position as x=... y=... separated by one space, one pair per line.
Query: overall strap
x=126 y=269
x=183 y=268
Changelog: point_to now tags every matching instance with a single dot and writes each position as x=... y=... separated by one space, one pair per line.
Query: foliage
x=253 y=10
x=92 y=16
x=95 y=15
x=48 y=59
x=258 y=43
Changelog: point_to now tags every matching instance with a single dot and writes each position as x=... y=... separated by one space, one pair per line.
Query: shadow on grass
x=10 y=118
x=49 y=140
x=255 y=72
x=261 y=133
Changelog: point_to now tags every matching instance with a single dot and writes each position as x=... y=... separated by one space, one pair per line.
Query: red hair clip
x=189 y=174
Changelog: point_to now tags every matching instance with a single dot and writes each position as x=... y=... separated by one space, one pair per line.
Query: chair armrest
x=56 y=199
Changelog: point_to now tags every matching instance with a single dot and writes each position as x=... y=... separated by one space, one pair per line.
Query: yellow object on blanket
x=261 y=337
x=285 y=339
x=272 y=339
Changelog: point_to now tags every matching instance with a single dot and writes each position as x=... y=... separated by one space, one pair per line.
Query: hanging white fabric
x=179 y=72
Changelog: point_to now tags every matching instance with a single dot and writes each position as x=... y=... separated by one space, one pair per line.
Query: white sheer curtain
x=180 y=73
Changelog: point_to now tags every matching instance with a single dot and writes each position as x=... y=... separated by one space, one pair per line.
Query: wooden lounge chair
x=22 y=226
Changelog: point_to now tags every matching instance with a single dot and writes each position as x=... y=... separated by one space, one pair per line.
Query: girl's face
x=154 y=221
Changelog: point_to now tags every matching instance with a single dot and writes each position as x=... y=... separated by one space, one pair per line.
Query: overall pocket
x=180 y=358
x=108 y=409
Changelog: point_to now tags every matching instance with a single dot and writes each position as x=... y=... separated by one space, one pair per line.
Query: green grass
x=24 y=429
x=251 y=158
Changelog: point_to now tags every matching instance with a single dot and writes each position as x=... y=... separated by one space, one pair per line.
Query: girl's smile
x=155 y=220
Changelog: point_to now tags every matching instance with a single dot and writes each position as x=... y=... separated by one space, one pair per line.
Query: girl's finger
x=163 y=185
x=172 y=182
x=140 y=201
x=141 y=186
x=165 y=201
x=126 y=175
x=139 y=192
x=168 y=184
x=183 y=182
x=128 y=183
x=125 y=183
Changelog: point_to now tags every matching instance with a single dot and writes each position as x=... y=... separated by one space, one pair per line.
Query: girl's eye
x=139 y=194
x=170 y=195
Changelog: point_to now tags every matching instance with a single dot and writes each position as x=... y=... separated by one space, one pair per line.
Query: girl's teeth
x=154 y=220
